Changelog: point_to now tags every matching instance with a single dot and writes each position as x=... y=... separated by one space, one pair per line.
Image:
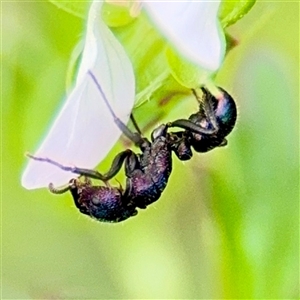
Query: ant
x=147 y=173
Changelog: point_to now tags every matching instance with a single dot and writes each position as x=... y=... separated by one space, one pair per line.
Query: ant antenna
x=135 y=137
x=137 y=128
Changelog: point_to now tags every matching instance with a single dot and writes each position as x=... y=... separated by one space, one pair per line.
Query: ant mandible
x=147 y=173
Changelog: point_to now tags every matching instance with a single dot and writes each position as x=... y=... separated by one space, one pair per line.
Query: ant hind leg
x=115 y=167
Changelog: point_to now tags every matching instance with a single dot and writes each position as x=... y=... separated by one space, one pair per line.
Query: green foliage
x=232 y=11
x=116 y=15
x=185 y=72
x=78 y=9
x=226 y=227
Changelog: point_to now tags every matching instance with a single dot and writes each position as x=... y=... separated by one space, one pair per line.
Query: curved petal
x=84 y=131
x=193 y=27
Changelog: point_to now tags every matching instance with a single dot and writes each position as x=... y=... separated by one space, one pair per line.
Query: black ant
x=147 y=173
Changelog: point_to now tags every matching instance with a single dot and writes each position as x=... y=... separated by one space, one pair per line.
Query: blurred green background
x=227 y=226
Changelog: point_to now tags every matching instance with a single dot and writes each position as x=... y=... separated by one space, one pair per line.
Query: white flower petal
x=193 y=28
x=84 y=131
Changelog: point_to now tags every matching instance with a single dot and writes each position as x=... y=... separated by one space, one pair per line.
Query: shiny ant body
x=147 y=173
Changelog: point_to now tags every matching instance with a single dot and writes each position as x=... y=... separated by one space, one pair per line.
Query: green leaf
x=146 y=50
x=185 y=72
x=78 y=9
x=231 y=11
x=113 y=15
x=116 y=15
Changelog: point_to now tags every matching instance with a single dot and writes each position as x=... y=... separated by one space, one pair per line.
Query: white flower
x=84 y=131
x=193 y=28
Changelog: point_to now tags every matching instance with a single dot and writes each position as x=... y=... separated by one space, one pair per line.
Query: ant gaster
x=147 y=173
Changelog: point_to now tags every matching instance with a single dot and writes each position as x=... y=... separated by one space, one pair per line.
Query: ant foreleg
x=208 y=106
x=189 y=125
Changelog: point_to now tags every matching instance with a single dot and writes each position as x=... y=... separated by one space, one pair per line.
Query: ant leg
x=115 y=167
x=209 y=113
x=207 y=106
x=189 y=125
x=137 y=128
x=60 y=190
x=132 y=164
x=117 y=164
x=134 y=137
